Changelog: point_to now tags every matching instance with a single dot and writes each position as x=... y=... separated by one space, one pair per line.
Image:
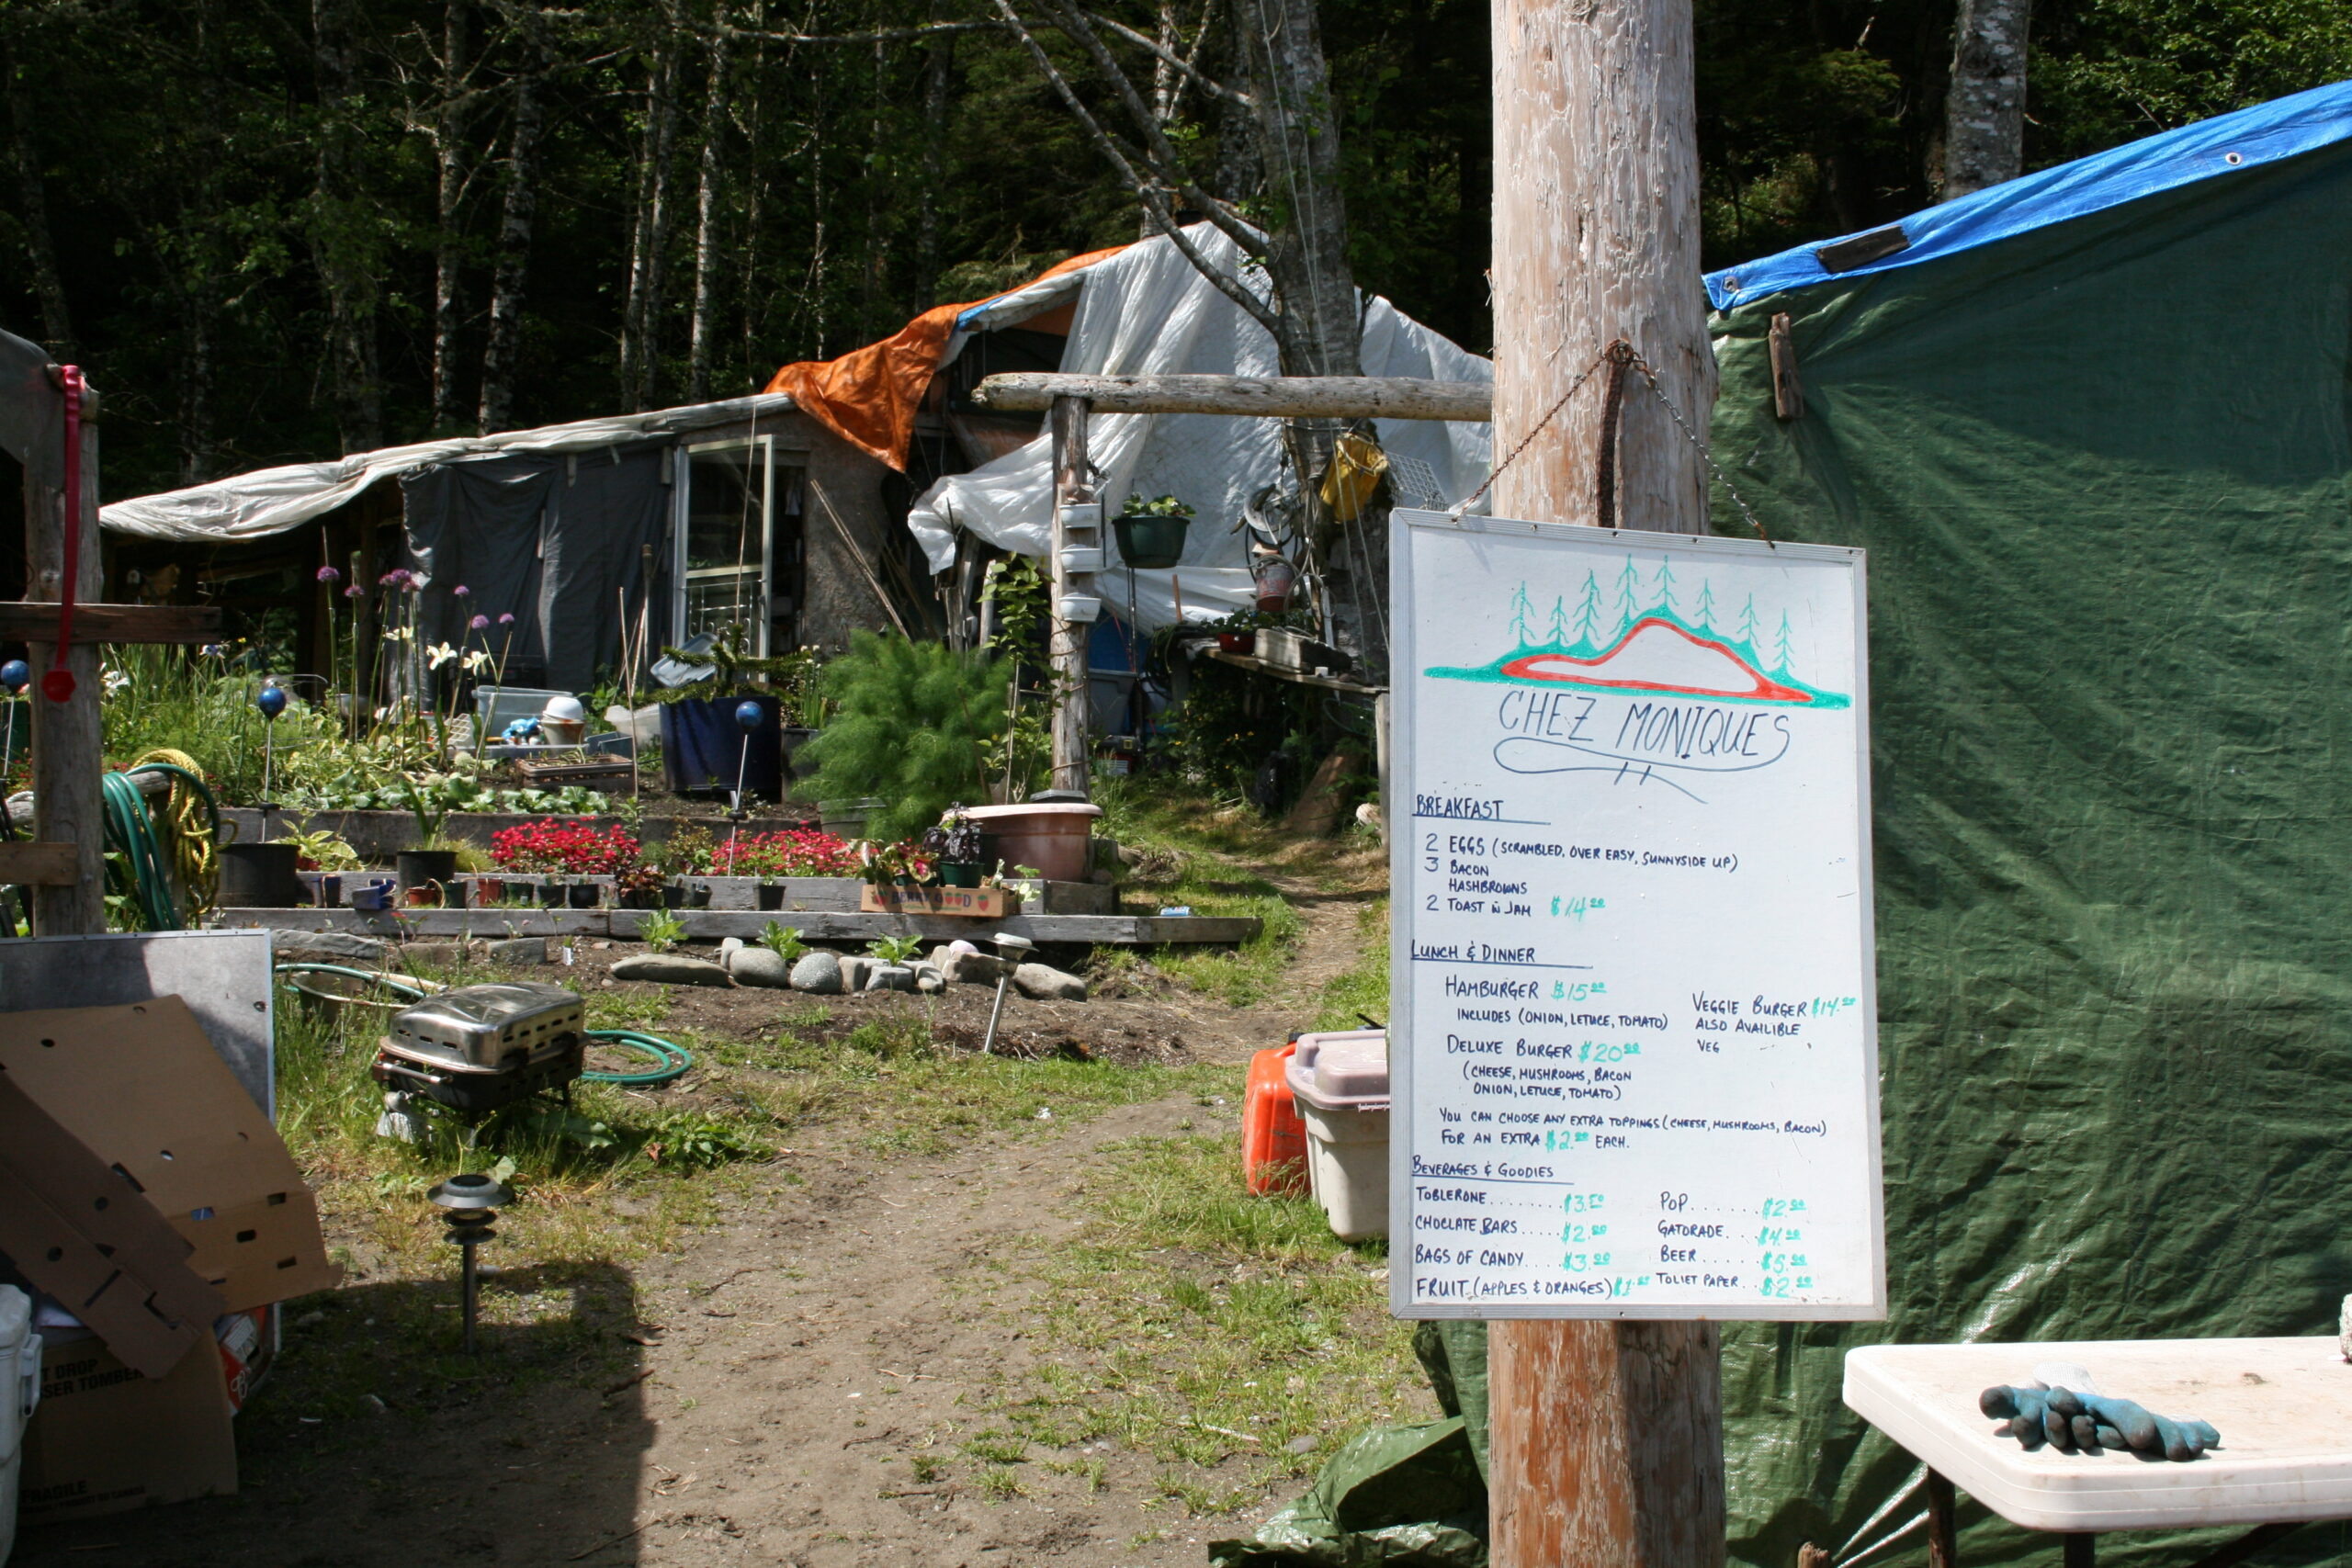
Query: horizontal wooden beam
x=710 y=925
x=31 y=621
x=25 y=864
x=1251 y=396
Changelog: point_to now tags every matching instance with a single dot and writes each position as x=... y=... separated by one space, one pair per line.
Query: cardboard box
x=142 y=1086
x=82 y=1233
x=106 y=1441
x=979 y=903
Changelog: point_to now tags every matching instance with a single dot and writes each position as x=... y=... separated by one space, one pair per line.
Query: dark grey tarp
x=551 y=539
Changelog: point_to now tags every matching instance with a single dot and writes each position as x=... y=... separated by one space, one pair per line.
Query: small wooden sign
x=979 y=903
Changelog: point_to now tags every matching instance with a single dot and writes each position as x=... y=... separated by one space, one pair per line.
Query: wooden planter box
x=611 y=777
x=979 y=903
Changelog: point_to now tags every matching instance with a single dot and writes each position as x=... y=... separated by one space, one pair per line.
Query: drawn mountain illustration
x=1652 y=649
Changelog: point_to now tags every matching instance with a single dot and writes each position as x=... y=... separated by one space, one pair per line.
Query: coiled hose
x=671 y=1061
x=193 y=819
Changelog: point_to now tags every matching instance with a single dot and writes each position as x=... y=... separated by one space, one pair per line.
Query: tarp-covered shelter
x=2095 y=427
x=1144 y=310
x=746 y=510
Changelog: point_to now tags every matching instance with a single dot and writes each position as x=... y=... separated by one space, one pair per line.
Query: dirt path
x=798 y=1384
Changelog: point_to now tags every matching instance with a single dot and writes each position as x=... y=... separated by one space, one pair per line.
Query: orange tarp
x=869 y=397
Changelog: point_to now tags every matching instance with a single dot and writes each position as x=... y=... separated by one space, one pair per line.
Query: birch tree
x=1985 y=110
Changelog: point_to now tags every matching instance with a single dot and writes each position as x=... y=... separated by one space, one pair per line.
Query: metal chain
x=1495 y=473
x=1701 y=447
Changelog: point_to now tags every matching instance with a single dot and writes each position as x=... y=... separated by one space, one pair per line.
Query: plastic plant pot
x=552 y=895
x=1151 y=543
x=769 y=895
x=585 y=894
x=417 y=867
x=951 y=874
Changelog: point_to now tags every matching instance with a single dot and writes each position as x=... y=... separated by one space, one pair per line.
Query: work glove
x=2069 y=1422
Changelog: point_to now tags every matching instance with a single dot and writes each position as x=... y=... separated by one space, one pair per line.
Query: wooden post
x=1606 y=1435
x=1073 y=485
x=68 y=739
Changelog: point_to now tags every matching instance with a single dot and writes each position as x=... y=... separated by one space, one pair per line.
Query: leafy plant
x=955 y=840
x=321 y=851
x=894 y=948
x=883 y=864
x=686 y=1141
x=1158 y=506
x=784 y=941
x=913 y=730
x=663 y=931
x=686 y=850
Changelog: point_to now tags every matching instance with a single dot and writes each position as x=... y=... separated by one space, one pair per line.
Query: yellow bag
x=1358 y=465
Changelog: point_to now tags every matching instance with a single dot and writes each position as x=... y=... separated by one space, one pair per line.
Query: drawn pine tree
x=1706 y=609
x=1518 y=610
x=1665 y=585
x=1588 y=610
x=1559 y=638
x=1748 y=626
x=1629 y=606
x=1784 y=646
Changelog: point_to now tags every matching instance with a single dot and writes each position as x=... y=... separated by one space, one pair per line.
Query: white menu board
x=1634 y=1046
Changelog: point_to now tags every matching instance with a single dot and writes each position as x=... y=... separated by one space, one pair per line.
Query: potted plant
x=1151 y=532
x=954 y=848
x=434 y=861
x=640 y=887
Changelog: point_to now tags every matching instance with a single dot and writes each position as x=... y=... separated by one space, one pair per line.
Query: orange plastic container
x=1273 y=1140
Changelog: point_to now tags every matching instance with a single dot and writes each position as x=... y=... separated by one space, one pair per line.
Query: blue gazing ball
x=748 y=716
x=271 y=700
x=16 y=674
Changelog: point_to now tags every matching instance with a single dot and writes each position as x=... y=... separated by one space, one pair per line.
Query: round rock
x=758 y=966
x=819 y=971
x=890 y=977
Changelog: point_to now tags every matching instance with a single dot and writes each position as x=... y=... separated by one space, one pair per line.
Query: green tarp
x=2101 y=471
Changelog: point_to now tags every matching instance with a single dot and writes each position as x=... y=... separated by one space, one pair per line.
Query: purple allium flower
x=353 y=591
x=506 y=620
x=462 y=592
x=479 y=622
x=328 y=574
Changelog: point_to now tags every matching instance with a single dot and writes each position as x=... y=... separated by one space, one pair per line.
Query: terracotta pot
x=1055 y=837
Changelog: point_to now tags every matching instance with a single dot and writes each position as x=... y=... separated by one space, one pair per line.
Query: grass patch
x=1363 y=988
x=1230 y=1339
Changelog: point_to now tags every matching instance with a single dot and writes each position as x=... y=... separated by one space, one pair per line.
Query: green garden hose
x=673 y=1062
x=131 y=830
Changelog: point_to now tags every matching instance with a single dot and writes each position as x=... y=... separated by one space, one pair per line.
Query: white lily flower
x=113 y=680
x=477 y=659
x=440 y=653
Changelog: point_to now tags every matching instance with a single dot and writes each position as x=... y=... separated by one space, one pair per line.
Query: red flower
x=553 y=844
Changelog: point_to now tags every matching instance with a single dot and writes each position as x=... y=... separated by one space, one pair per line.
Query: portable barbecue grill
x=479 y=1047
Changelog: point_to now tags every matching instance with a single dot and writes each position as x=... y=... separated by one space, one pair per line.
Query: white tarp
x=1146 y=312
x=270 y=500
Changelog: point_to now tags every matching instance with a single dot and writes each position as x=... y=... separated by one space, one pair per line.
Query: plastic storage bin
x=1341 y=1084
x=1273 y=1140
x=20 y=1391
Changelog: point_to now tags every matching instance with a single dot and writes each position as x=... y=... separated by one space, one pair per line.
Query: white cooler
x=1340 y=1084
x=20 y=1391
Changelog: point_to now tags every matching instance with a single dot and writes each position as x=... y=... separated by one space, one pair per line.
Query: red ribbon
x=57 y=684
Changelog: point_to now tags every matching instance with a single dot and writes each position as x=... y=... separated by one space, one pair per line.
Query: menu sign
x=1633 y=1048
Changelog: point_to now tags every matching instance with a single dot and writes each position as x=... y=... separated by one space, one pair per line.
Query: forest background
x=275 y=229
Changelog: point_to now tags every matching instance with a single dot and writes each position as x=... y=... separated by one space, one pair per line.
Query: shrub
x=913 y=730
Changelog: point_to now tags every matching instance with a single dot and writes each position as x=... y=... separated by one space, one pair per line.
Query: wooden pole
x=1254 y=397
x=1606 y=1435
x=1073 y=487
x=68 y=739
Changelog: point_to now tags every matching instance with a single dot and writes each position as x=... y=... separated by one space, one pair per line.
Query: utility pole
x=1074 y=536
x=1606 y=1435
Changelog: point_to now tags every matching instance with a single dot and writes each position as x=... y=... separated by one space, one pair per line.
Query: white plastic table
x=2283 y=1408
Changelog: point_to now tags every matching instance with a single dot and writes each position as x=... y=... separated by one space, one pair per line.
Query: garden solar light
x=1010 y=951
x=271 y=700
x=469 y=1205
x=749 y=716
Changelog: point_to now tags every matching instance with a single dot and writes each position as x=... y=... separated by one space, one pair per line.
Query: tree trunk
x=40 y=250
x=1298 y=137
x=1984 y=111
x=938 y=69
x=450 y=159
x=1608 y=1443
x=641 y=316
x=342 y=244
x=517 y=209
x=712 y=172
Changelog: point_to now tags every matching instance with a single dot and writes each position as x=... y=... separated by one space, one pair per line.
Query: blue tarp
x=2226 y=144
